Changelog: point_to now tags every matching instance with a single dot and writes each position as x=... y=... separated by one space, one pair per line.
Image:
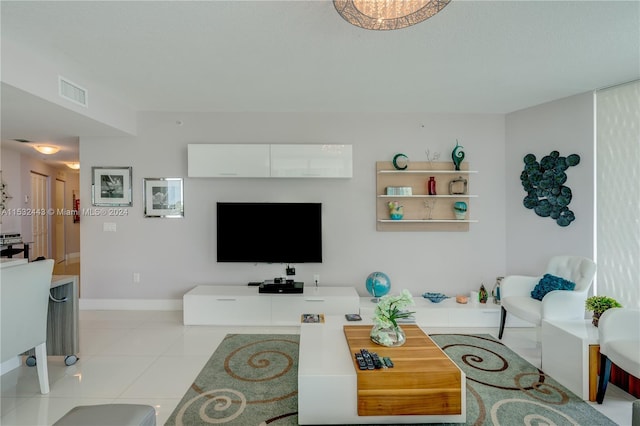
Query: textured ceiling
x=473 y=57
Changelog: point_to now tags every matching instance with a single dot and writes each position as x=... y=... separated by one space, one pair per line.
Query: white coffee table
x=327 y=382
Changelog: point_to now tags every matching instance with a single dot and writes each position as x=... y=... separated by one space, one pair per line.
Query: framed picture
x=111 y=186
x=163 y=197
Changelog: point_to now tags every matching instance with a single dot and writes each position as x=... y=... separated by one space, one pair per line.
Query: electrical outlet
x=316 y=279
x=136 y=277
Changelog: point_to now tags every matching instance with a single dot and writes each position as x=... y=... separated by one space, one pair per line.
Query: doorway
x=39 y=222
x=59 y=253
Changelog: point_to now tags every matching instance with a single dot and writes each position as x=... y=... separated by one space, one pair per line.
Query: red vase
x=431 y=186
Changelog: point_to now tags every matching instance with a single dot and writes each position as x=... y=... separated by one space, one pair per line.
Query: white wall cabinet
x=311 y=160
x=228 y=160
x=270 y=160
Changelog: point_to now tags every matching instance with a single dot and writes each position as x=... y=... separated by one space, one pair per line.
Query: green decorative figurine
x=483 y=295
x=457 y=155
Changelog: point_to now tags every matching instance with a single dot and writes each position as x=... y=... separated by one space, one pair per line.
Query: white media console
x=243 y=305
x=448 y=313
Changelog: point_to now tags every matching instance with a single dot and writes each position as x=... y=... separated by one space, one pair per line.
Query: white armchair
x=515 y=292
x=619 y=336
x=24 y=300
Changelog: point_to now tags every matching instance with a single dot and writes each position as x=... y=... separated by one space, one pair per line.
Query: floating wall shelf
x=422 y=212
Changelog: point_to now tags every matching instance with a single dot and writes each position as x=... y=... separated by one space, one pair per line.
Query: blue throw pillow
x=549 y=283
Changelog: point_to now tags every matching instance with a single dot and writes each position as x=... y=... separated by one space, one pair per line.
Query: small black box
x=284 y=288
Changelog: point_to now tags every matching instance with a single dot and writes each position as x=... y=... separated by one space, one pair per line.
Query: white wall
x=565 y=125
x=173 y=255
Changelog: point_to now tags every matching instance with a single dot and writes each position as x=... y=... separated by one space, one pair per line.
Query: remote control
x=376 y=361
x=387 y=361
x=367 y=358
x=362 y=365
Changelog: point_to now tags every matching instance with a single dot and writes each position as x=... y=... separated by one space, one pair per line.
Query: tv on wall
x=269 y=232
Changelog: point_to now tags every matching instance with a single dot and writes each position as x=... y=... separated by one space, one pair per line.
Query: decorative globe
x=378 y=284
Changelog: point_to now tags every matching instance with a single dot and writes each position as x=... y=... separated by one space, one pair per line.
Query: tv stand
x=286 y=287
x=243 y=305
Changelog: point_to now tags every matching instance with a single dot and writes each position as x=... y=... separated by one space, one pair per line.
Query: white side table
x=570 y=354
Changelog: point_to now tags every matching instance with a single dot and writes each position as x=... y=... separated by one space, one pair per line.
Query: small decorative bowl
x=435 y=297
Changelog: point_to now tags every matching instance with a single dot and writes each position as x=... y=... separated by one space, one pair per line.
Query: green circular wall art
x=544 y=183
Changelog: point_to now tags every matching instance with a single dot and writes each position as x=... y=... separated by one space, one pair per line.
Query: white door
x=39 y=222
x=58 y=222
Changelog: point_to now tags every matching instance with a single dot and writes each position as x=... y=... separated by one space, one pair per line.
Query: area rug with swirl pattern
x=505 y=389
x=251 y=379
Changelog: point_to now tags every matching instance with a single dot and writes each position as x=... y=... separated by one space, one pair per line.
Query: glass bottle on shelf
x=431 y=186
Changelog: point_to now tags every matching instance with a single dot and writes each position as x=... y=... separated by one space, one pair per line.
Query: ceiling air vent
x=72 y=92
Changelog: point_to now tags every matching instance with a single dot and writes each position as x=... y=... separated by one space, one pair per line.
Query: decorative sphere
x=378 y=284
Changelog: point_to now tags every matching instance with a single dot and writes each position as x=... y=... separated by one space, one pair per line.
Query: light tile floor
x=149 y=357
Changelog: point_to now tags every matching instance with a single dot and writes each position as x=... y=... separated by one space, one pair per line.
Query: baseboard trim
x=130 y=304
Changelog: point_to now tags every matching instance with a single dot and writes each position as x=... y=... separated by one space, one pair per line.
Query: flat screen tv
x=269 y=232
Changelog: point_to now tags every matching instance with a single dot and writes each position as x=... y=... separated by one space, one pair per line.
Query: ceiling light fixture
x=74 y=166
x=46 y=149
x=385 y=15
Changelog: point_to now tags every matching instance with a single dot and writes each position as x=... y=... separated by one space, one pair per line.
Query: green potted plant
x=599 y=304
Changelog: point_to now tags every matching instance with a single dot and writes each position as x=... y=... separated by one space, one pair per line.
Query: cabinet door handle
x=226 y=300
x=314 y=300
